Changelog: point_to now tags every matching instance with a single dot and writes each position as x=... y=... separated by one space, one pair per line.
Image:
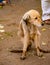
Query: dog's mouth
x=36 y=24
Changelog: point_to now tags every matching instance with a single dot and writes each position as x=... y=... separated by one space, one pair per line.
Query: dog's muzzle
x=42 y=23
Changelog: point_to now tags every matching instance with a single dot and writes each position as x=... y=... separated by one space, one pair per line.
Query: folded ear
x=26 y=17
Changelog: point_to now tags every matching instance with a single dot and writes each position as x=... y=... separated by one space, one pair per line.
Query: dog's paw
x=40 y=54
x=23 y=57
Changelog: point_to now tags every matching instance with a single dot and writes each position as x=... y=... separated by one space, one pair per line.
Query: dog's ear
x=26 y=18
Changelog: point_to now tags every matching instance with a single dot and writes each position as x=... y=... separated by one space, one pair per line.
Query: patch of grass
x=4 y=20
x=9 y=34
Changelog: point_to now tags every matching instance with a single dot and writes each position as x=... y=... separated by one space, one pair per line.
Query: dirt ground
x=10 y=16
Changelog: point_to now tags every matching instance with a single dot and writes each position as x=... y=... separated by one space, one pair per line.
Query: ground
x=10 y=16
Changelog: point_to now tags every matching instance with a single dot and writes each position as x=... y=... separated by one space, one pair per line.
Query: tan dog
x=29 y=31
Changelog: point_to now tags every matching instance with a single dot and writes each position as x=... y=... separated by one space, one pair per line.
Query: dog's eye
x=36 y=18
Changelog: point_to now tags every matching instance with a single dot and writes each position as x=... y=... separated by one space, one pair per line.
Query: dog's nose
x=42 y=23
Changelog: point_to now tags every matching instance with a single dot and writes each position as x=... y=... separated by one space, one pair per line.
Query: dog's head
x=33 y=17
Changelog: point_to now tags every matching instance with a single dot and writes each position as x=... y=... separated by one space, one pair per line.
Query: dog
x=28 y=30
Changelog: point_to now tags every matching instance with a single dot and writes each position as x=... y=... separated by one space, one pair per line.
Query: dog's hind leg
x=25 y=40
x=25 y=46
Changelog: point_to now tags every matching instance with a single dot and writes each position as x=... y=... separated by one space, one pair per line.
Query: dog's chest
x=32 y=30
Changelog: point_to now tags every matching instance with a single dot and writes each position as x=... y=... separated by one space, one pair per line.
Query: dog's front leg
x=37 y=44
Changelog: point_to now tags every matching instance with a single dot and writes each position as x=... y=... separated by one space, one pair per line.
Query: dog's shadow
x=29 y=50
x=21 y=50
x=16 y=51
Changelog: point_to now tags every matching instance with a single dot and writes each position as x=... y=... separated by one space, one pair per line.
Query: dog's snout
x=42 y=23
